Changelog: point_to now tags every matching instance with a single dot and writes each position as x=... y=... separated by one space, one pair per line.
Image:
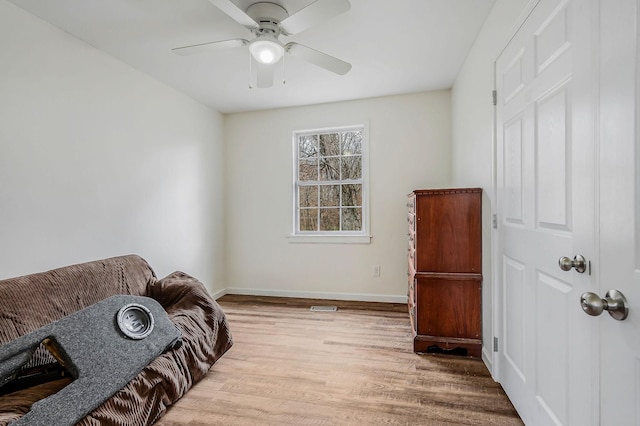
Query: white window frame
x=349 y=237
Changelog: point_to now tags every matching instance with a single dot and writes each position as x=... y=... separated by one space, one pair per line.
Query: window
x=330 y=187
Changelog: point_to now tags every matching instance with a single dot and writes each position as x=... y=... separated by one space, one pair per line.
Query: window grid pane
x=308 y=170
x=308 y=196
x=308 y=219
x=351 y=219
x=308 y=146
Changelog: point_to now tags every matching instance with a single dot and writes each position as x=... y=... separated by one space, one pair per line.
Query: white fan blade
x=208 y=47
x=318 y=58
x=265 y=76
x=235 y=13
x=316 y=12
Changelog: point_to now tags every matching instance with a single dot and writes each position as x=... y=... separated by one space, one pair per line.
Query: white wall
x=409 y=149
x=472 y=130
x=99 y=160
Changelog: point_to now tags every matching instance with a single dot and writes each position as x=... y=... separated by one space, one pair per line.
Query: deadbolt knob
x=565 y=263
x=578 y=262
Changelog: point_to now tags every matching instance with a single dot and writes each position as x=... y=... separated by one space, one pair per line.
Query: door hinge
x=494 y=221
x=494 y=97
x=495 y=344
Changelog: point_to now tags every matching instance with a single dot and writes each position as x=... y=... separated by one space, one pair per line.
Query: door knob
x=614 y=302
x=578 y=262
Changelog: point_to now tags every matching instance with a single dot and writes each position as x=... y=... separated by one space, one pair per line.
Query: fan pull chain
x=284 y=80
x=250 y=71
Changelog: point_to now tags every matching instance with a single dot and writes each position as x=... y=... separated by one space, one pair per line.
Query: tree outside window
x=329 y=181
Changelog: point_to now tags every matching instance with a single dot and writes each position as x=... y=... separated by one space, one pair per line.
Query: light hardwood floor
x=291 y=366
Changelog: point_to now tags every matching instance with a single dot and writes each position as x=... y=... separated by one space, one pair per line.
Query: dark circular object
x=135 y=321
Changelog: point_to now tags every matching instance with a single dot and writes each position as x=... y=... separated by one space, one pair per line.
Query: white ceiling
x=395 y=46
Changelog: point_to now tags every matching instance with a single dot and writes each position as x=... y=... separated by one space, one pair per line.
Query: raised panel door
x=545 y=160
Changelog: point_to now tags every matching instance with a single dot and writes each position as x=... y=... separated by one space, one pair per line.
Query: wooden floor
x=291 y=366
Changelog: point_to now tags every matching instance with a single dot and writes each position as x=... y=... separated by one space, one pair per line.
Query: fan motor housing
x=267 y=15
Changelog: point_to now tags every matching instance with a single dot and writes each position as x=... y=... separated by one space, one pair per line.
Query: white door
x=545 y=200
x=573 y=69
x=619 y=198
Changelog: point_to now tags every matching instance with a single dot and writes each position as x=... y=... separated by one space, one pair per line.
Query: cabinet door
x=449 y=232
x=448 y=306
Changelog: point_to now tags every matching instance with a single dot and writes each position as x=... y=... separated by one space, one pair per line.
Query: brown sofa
x=30 y=302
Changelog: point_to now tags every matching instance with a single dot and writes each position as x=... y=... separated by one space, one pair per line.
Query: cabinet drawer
x=411 y=203
x=412 y=318
x=412 y=240
x=411 y=290
x=411 y=222
x=411 y=260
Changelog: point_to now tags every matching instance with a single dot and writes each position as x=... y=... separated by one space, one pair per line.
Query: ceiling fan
x=268 y=21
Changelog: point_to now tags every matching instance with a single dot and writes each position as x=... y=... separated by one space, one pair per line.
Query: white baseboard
x=218 y=294
x=359 y=297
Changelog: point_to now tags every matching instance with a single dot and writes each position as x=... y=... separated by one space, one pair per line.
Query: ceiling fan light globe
x=266 y=52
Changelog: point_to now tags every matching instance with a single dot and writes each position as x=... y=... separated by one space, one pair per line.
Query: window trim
x=348 y=237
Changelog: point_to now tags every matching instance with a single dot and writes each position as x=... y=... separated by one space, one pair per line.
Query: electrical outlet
x=375 y=271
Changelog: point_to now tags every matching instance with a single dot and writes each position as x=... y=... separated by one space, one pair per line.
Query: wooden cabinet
x=445 y=270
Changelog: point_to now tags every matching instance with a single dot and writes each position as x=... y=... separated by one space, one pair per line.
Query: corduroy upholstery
x=30 y=302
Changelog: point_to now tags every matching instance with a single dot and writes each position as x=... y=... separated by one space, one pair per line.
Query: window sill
x=329 y=239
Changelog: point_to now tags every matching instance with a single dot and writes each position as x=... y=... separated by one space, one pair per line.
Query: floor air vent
x=324 y=308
